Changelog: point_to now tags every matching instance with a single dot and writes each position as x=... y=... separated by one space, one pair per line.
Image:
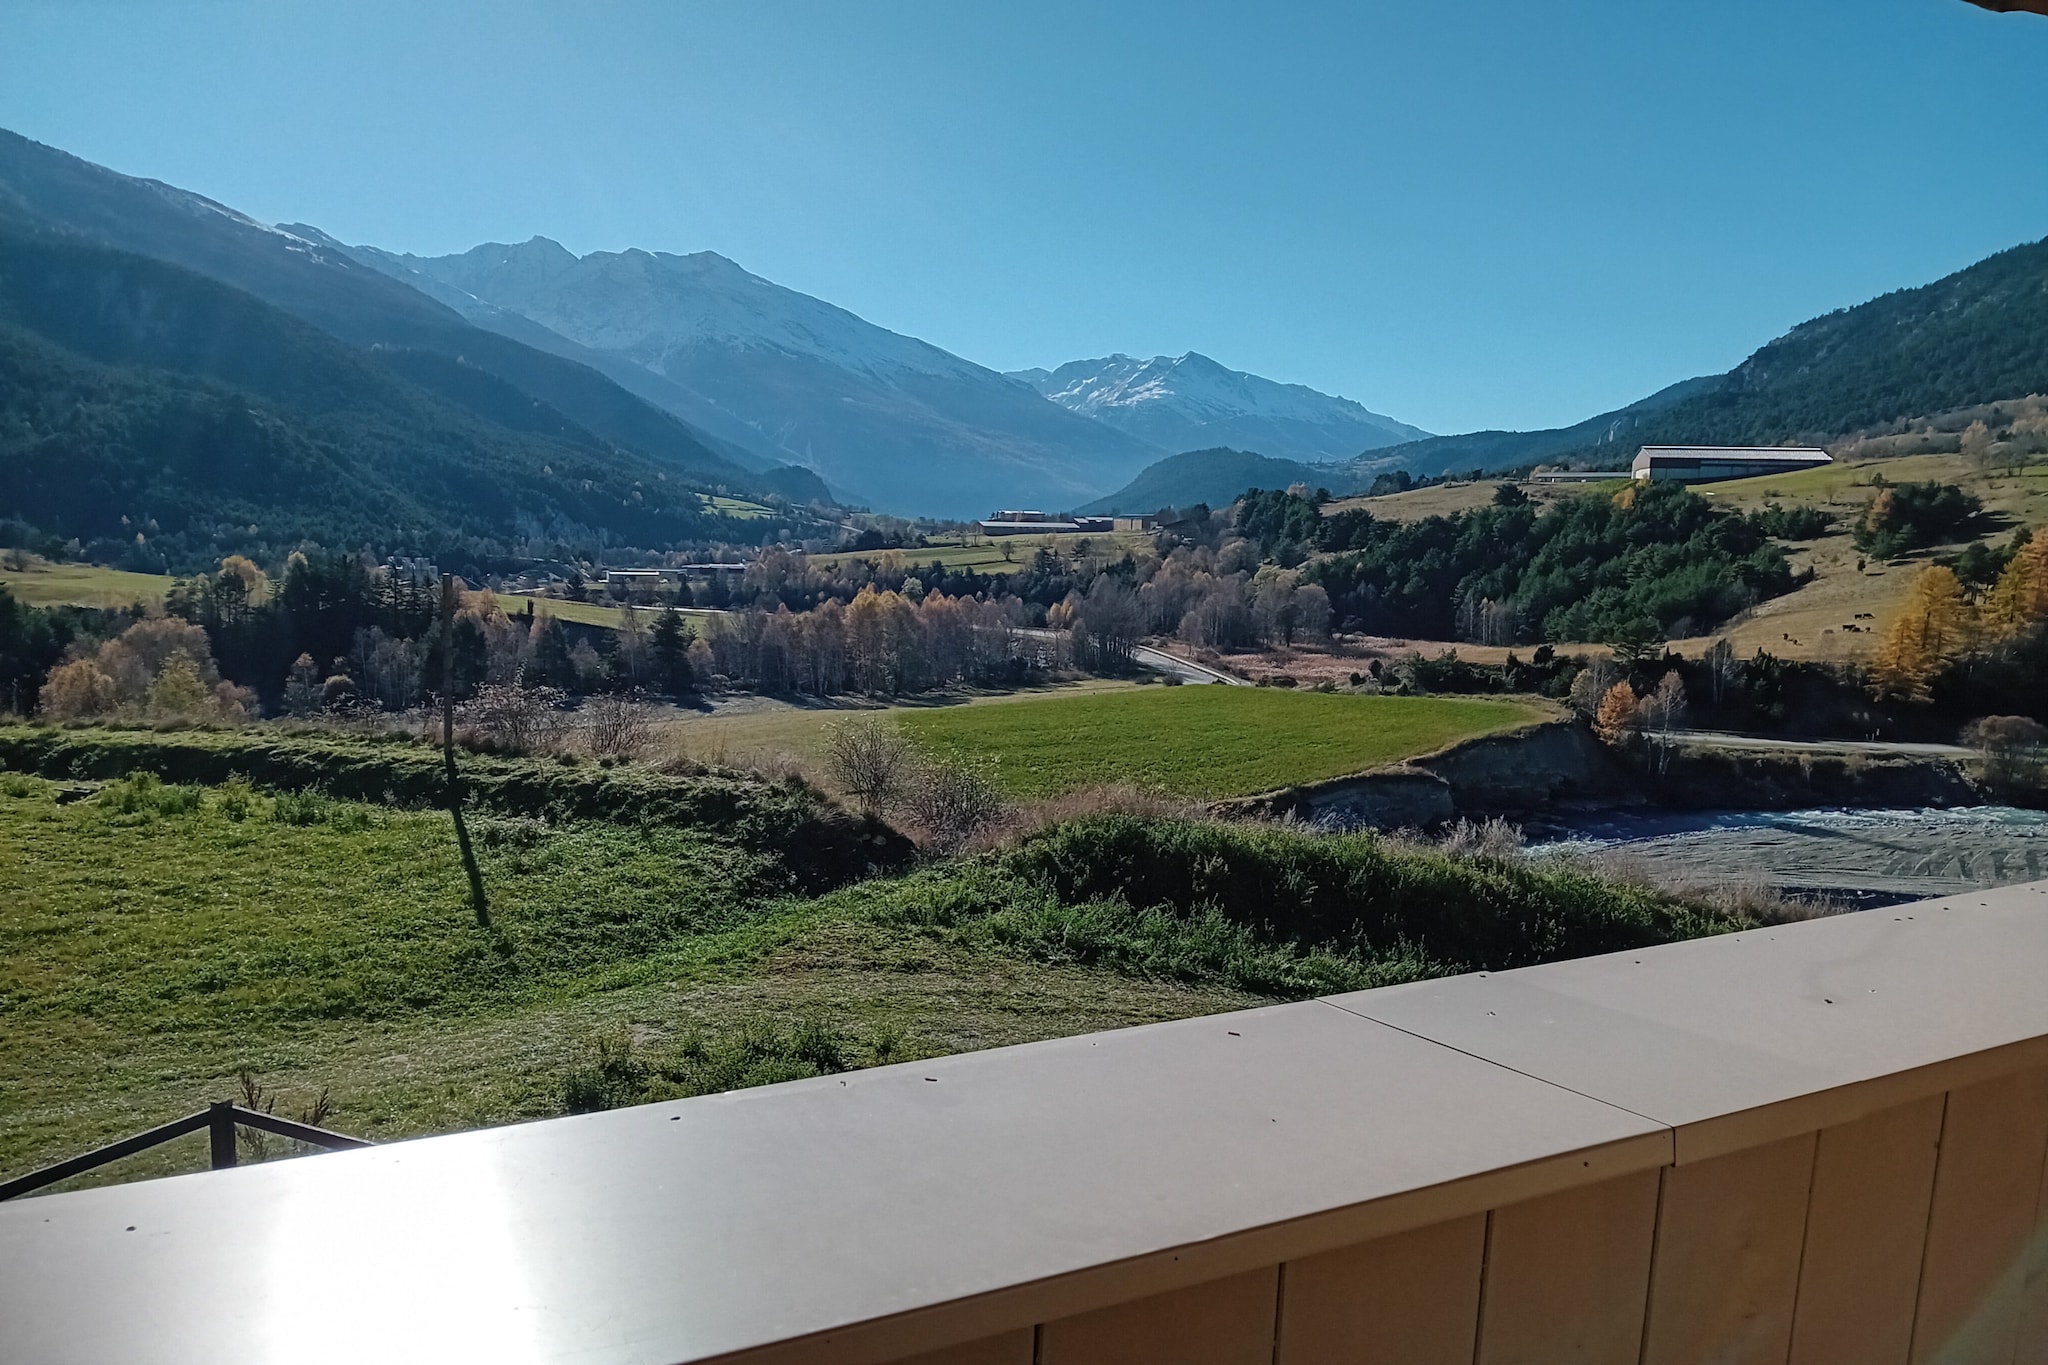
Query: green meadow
x=1203 y=742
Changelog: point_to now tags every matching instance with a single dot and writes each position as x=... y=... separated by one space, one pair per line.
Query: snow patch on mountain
x=1190 y=400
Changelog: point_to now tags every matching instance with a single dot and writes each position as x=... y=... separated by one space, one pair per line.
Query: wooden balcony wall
x=1816 y=1143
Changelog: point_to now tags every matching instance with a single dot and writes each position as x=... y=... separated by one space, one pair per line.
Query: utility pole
x=476 y=877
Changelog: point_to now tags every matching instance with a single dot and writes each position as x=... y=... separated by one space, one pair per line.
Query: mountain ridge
x=165 y=419
x=43 y=188
x=1191 y=401
x=888 y=418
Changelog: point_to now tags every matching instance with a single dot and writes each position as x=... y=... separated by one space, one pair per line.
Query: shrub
x=866 y=757
x=949 y=801
x=2013 y=750
x=299 y=808
x=20 y=785
x=620 y=727
x=133 y=795
x=1354 y=893
x=178 y=800
x=515 y=719
x=237 y=799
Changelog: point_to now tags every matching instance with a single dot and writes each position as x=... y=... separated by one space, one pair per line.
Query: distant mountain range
x=886 y=419
x=1190 y=402
x=707 y=377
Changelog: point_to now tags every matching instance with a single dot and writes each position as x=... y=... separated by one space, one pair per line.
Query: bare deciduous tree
x=514 y=718
x=948 y=801
x=867 y=757
x=621 y=725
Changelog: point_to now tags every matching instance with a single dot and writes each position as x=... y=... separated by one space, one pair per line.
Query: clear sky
x=1495 y=213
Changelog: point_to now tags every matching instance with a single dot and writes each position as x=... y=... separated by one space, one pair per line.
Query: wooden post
x=220 y=1133
x=476 y=878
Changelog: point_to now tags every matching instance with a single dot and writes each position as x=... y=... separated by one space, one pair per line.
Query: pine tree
x=671 y=646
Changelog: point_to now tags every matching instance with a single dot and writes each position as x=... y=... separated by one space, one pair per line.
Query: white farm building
x=1704 y=464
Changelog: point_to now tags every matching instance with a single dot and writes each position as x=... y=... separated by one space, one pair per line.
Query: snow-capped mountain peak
x=1190 y=401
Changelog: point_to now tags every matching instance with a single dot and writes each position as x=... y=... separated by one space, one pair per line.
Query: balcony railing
x=1822 y=1142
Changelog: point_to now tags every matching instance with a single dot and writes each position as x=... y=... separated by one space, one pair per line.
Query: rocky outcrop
x=1558 y=762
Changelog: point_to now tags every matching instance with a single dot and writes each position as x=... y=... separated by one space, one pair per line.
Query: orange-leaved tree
x=1933 y=628
x=1617 y=716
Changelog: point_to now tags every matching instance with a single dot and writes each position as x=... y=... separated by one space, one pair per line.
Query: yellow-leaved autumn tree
x=2020 y=597
x=1933 y=628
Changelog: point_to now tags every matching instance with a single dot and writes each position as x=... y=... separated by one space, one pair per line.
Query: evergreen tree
x=671 y=646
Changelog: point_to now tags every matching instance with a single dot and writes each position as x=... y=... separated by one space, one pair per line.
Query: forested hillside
x=1218 y=478
x=167 y=419
x=1977 y=336
x=44 y=189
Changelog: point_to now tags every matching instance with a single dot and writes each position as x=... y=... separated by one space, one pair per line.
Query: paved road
x=1187 y=670
x=1723 y=740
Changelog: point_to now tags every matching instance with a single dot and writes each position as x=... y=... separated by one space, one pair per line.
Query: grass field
x=1203 y=742
x=146 y=957
x=83 y=585
x=739 y=509
x=764 y=733
x=158 y=940
x=1006 y=554
x=584 y=613
x=1444 y=499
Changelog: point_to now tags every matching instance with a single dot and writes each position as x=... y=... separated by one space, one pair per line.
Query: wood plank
x=1986 y=1186
x=1566 y=1276
x=1729 y=1232
x=2033 y=1344
x=1011 y=1348
x=1410 y=1299
x=1225 y=1322
x=1866 y=1223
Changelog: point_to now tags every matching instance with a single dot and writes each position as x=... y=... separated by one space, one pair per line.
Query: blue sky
x=1486 y=214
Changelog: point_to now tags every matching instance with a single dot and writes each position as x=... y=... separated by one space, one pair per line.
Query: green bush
x=1357 y=894
x=20 y=785
x=757 y=1052
x=237 y=799
x=299 y=808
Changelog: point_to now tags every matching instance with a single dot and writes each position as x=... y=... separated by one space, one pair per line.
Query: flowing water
x=1863 y=858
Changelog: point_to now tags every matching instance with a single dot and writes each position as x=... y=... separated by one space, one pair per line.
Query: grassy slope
x=1813 y=622
x=146 y=957
x=984 y=554
x=1441 y=500
x=1204 y=741
x=153 y=944
x=83 y=585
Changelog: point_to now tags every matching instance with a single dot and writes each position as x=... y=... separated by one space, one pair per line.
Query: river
x=1864 y=858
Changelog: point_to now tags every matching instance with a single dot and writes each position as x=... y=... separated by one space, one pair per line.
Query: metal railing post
x=220 y=1132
